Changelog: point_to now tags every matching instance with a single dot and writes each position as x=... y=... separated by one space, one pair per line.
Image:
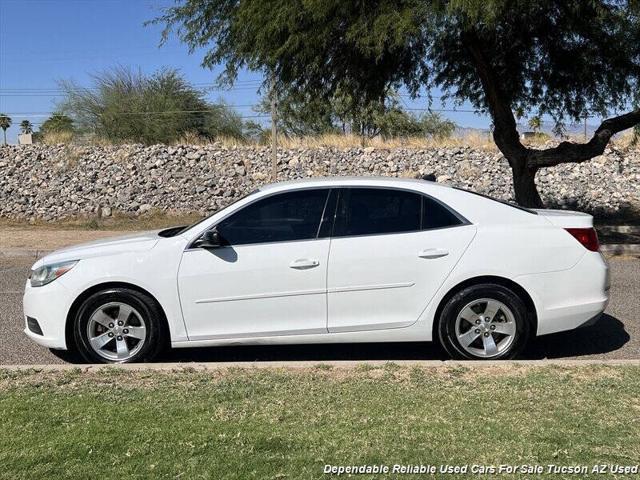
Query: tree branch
x=569 y=152
x=505 y=129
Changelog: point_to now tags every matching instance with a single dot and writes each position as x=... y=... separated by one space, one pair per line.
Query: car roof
x=412 y=183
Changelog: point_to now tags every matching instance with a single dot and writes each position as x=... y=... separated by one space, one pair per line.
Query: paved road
x=616 y=336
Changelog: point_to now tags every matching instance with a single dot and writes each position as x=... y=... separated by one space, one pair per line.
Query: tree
x=560 y=58
x=253 y=132
x=26 y=127
x=300 y=114
x=535 y=124
x=5 y=123
x=56 y=123
x=123 y=105
x=433 y=124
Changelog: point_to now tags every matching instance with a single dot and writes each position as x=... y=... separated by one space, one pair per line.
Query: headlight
x=48 y=273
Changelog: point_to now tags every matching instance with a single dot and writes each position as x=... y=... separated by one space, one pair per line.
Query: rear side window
x=370 y=211
x=436 y=215
x=377 y=211
x=279 y=218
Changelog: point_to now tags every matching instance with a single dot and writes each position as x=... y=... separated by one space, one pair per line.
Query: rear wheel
x=118 y=326
x=484 y=322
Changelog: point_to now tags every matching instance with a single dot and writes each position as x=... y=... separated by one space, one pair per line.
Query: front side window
x=279 y=218
x=370 y=211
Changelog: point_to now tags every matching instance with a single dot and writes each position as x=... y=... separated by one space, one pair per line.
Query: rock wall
x=55 y=182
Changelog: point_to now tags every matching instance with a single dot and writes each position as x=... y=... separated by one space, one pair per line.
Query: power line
x=45 y=115
x=212 y=110
x=240 y=84
x=61 y=93
x=157 y=112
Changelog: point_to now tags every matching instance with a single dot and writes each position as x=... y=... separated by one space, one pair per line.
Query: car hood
x=106 y=246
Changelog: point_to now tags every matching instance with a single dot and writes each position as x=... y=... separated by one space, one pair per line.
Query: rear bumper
x=572 y=298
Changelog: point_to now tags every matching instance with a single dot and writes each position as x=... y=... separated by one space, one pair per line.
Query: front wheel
x=118 y=325
x=484 y=322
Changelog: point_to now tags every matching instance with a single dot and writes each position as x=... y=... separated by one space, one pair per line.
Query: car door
x=268 y=279
x=391 y=250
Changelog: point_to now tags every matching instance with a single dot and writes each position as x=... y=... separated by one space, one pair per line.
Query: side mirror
x=209 y=239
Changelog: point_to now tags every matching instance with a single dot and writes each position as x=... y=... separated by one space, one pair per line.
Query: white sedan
x=327 y=261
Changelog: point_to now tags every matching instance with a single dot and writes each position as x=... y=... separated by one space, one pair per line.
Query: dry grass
x=353 y=141
x=473 y=140
x=55 y=138
x=627 y=139
x=191 y=138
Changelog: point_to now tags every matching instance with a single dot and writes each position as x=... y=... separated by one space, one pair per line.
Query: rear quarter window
x=503 y=202
x=436 y=215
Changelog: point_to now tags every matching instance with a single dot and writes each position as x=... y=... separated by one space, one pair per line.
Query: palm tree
x=535 y=123
x=26 y=126
x=5 y=122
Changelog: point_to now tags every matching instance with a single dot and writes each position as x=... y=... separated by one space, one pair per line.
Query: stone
x=36 y=181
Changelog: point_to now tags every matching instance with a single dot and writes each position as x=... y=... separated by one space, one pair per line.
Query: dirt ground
x=44 y=239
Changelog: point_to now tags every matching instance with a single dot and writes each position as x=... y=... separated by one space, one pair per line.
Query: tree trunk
x=525 y=161
x=524 y=186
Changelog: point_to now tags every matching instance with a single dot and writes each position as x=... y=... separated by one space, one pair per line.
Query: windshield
x=180 y=230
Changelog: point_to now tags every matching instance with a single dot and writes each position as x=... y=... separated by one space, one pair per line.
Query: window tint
x=367 y=211
x=327 y=217
x=279 y=218
x=436 y=215
x=503 y=202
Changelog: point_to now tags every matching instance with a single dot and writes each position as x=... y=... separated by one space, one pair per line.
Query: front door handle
x=433 y=253
x=304 y=263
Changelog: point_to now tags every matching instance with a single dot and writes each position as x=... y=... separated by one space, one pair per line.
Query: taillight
x=586 y=236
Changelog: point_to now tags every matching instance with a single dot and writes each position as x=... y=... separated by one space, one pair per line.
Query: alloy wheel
x=116 y=331
x=485 y=328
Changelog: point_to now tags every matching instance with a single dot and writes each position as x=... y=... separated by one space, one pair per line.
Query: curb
x=347 y=365
x=618 y=249
x=619 y=228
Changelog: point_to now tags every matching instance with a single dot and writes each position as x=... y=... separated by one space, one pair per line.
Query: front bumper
x=48 y=305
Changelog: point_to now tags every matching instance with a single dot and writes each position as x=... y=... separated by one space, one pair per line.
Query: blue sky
x=44 y=41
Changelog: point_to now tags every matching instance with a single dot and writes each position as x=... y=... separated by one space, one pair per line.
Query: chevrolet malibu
x=327 y=261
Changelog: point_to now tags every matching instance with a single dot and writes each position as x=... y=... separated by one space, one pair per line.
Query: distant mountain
x=547 y=127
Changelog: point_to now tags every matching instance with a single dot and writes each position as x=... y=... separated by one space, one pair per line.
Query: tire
x=126 y=326
x=465 y=333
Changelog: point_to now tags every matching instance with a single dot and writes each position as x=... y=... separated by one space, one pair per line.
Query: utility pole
x=274 y=129
x=585 y=128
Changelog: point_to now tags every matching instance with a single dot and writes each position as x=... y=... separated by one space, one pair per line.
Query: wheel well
x=104 y=286
x=505 y=282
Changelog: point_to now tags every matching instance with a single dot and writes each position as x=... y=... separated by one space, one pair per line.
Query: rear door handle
x=433 y=253
x=304 y=263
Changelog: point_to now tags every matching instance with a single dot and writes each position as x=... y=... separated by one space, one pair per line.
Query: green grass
x=273 y=424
